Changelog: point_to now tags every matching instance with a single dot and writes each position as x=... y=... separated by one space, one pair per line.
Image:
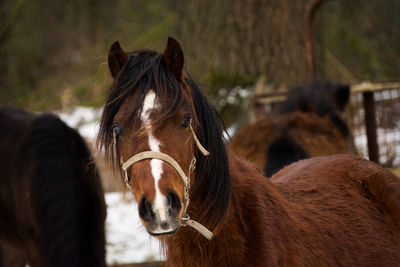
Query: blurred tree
x=247 y=37
x=359 y=40
x=50 y=47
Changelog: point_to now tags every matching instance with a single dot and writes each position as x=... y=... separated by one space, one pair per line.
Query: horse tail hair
x=282 y=153
x=67 y=197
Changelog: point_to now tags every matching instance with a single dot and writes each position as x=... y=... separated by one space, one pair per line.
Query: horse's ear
x=342 y=96
x=116 y=59
x=173 y=58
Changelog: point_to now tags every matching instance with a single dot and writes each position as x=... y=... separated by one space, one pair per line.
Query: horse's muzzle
x=161 y=220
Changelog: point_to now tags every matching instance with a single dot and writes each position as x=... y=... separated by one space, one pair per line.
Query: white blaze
x=155 y=164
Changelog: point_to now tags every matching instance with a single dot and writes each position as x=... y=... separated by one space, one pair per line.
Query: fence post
x=370 y=125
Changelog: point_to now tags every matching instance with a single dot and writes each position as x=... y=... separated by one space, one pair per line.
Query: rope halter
x=185 y=220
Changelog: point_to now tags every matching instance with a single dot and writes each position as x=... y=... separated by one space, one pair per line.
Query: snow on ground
x=85 y=119
x=127 y=240
x=388 y=141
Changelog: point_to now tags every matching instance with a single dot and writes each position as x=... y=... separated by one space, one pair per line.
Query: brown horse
x=166 y=138
x=308 y=125
x=52 y=208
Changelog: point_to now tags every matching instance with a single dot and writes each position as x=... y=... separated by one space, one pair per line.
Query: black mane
x=145 y=70
x=212 y=176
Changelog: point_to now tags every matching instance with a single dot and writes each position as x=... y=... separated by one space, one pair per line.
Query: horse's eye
x=117 y=131
x=186 y=121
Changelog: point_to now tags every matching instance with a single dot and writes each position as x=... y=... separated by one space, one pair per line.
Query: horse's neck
x=256 y=210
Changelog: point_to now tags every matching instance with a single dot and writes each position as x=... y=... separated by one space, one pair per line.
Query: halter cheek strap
x=185 y=220
x=200 y=147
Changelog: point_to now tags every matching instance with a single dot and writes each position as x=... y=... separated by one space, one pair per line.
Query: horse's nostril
x=174 y=202
x=145 y=210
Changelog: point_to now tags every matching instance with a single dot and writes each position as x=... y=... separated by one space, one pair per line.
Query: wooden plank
x=373 y=87
x=355 y=88
x=270 y=99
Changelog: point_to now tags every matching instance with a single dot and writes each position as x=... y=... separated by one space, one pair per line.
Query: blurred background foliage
x=53 y=53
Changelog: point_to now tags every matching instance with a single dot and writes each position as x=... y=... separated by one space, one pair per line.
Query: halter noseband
x=185 y=220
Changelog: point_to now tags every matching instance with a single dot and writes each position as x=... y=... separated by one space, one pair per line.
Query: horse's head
x=150 y=124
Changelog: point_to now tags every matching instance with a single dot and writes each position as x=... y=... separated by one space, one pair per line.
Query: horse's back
x=348 y=205
x=344 y=178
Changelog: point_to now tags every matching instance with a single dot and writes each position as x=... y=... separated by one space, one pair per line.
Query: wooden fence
x=373 y=117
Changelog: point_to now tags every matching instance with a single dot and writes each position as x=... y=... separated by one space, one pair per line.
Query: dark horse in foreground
x=52 y=207
x=308 y=124
x=161 y=131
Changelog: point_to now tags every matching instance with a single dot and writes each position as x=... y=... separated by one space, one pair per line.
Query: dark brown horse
x=166 y=138
x=52 y=208
x=309 y=124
